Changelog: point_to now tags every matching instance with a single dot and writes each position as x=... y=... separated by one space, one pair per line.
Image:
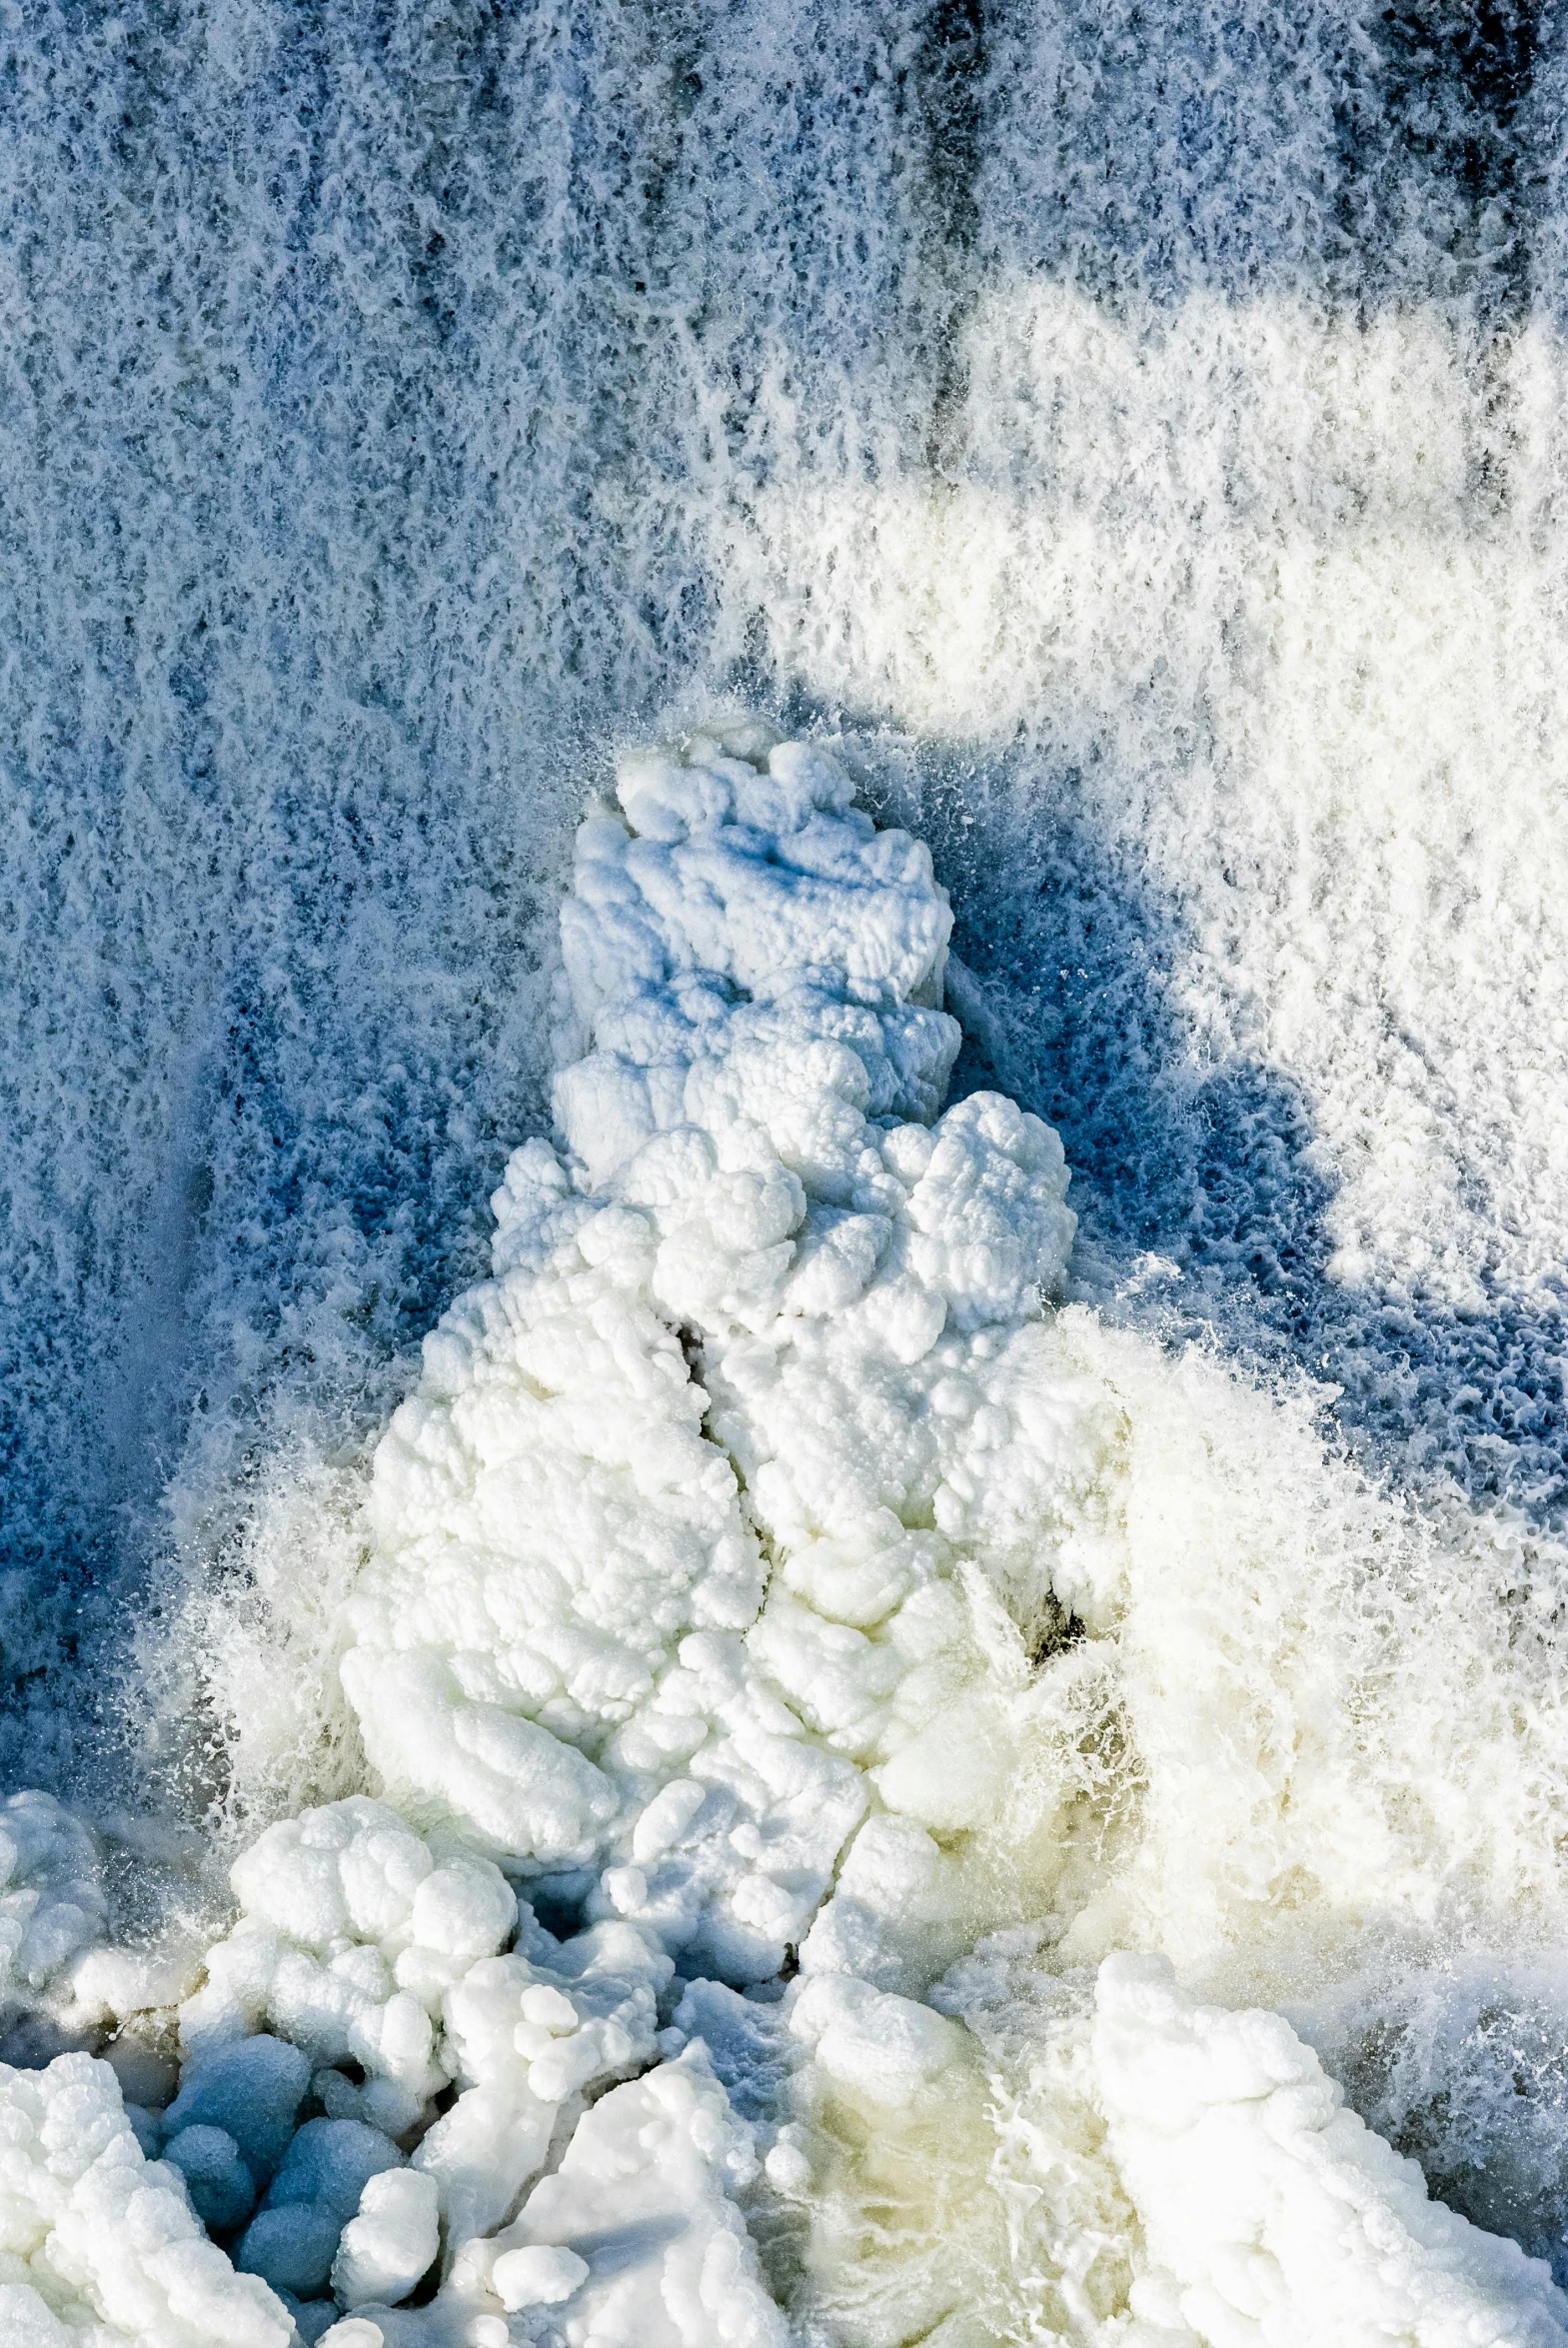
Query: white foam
x=1268 y=2212
x=642 y=2202
x=1160 y=411
x=53 y=1908
x=102 y=2241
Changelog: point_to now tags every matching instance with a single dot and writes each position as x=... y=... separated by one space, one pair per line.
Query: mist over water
x=1133 y=435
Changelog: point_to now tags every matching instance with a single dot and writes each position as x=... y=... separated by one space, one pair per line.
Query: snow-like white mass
x=1271 y=2214
x=562 y=1646
x=98 y=2244
x=794 y=1644
x=52 y=1905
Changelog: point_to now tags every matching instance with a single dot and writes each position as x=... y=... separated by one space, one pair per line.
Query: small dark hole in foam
x=1057 y=1629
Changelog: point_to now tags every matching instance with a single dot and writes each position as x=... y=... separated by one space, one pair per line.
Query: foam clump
x=363 y=1972
x=219 y=2179
x=1270 y=2214
x=99 y=2244
x=884 y=2050
x=352 y=1927
x=392 y=2239
x=529 y=2036
x=537 y=2276
x=249 y=2093
x=562 y=1648
x=754 y=867
x=636 y=2236
x=293 y=2240
x=776 y=1585
x=53 y=1910
x=372 y=1971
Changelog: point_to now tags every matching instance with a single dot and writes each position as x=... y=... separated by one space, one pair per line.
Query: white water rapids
x=844 y=1759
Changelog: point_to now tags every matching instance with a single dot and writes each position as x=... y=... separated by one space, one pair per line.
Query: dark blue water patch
x=1361 y=156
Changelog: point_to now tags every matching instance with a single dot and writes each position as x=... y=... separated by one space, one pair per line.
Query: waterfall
x=1121 y=447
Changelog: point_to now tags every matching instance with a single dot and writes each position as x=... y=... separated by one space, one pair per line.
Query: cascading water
x=719 y=1764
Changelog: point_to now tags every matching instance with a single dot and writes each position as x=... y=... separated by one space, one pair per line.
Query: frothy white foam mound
x=774 y=1584
x=1269 y=2213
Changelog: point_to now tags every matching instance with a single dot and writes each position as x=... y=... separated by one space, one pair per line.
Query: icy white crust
x=751 y=1585
x=61 y=1977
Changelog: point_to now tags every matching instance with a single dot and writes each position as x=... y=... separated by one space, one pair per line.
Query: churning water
x=1132 y=437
